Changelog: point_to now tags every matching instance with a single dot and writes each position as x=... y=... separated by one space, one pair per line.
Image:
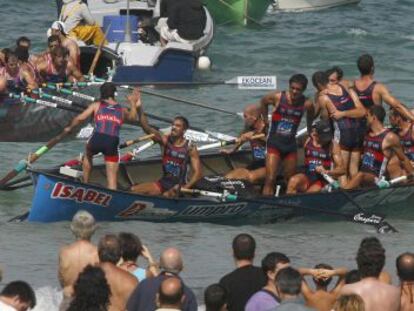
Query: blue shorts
x=106 y=144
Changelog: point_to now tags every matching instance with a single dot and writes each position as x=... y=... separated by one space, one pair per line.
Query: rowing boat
x=58 y=197
x=243 y=12
x=307 y=5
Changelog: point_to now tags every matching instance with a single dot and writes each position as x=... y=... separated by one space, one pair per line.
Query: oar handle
x=134 y=141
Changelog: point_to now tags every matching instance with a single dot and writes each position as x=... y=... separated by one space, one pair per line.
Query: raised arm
x=394 y=103
x=341 y=273
x=133 y=99
x=196 y=167
x=306 y=290
x=142 y=118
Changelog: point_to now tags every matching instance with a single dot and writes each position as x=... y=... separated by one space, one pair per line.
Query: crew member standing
x=109 y=117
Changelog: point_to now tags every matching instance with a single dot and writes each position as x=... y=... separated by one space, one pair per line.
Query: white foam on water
x=409 y=37
x=357 y=32
x=48 y=298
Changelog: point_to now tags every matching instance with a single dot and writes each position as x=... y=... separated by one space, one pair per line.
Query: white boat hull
x=307 y=5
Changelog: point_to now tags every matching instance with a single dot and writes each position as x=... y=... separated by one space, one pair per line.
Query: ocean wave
x=48 y=298
x=357 y=32
x=408 y=37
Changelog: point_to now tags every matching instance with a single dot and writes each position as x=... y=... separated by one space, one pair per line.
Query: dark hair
x=131 y=246
x=289 y=281
x=370 y=257
x=171 y=298
x=405 y=266
x=320 y=78
x=244 y=246
x=271 y=260
x=109 y=249
x=22 y=39
x=184 y=120
x=91 y=291
x=365 y=64
x=22 y=54
x=60 y=51
x=352 y=276
x=10 y=54
x=378 y=111
x=53 y=38
x=6 y=51
x=301 y=79
x=107 y=90
x=215 y=297
x=336 y=69
x=320 y=282
x=22 y=290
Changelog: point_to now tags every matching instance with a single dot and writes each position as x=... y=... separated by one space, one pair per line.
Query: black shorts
x=106 y=144
x=166 y=183
x=352 y=139
x=254 y=165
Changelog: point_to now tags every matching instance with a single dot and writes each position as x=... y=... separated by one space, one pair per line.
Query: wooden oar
x=226 y=143
x=22 y=165
x=98 y=52
x=377 y=220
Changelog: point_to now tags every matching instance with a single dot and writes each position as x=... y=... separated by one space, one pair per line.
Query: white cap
x=58 y=25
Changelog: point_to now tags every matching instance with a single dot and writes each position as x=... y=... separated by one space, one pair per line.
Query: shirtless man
x=254 y=125
x=57 y=68
x=371 y=92
x=121 y=282
x=74 y=257
x=58 y=29
x=286 y=117
x=343 y=107
x=377 y=295
x=322 y=299
x=380 y=145
x=322 y=156
x=177 y=153
x=18 y=77
x=405 y=271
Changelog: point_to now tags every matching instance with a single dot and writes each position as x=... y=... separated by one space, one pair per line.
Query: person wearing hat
x=79 y=22
x=322 y=156
x=109 y=116
x=58 y=29
x=73 y=258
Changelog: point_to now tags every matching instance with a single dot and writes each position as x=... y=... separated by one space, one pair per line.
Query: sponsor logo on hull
x=64 y=191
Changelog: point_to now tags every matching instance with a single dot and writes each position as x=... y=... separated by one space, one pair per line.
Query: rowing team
x=20 y=71
x=348 y=146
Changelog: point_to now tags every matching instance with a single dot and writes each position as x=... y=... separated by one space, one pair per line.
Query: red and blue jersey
x=407 y=143
x=373 y=158
x=108 y=119
x=316 y=156
x=285 y=122
x=174 y=161
x=366 y=96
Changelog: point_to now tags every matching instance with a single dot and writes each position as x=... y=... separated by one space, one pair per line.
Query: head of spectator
x=83 y=225
x=109 y=249
x=350 y=302
x=215 y=298
x=244 y=247
x=370 y=258
x=272 y=263
x=131 y=246
x=171 y=261
x=91 y=290
x=18 y=295
x=288 y=283
x=170 y=294
x=405 y=267
x=322 y=283
x=23 y=42
x=352 y=276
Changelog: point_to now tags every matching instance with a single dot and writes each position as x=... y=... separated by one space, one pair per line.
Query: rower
x=177 y=152
x=27 y=67
x=371 y=92
x=336 y=76
x=281 y=141
x=18 y=78
x=52 y=42
x=322 y=156
x=58 y=29
x=404 y=129
x=109 y=117
x=380 y=145
x=254 y=125
x=343 y=107
x=56 y=68
x=79 y=22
